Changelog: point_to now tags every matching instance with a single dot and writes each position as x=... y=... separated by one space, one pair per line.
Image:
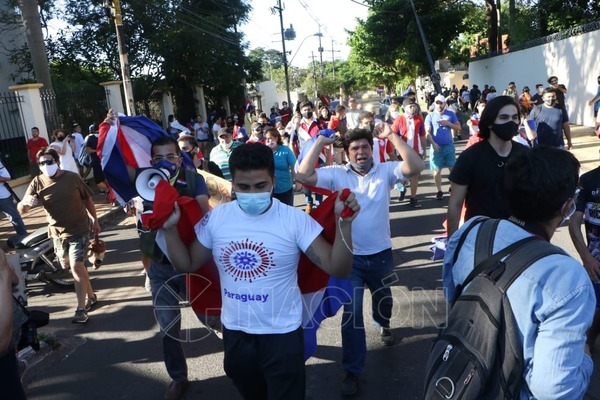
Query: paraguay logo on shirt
x=246 y=260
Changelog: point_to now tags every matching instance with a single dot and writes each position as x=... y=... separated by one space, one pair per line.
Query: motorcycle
x=39 y=262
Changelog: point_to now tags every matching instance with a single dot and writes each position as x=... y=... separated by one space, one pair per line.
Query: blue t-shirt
x=442 y=135
x=200 y=187
x=284 y=159
x=550 y=125
x=597 y=104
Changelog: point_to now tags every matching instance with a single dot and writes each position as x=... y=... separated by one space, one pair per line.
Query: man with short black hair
x=595 y=102
x=552 y=301
x=256 y=242
x=551 y=120
x=35 y=144
x=372 y=262
x=560 y=91
x=69 y=207
x=286 y=113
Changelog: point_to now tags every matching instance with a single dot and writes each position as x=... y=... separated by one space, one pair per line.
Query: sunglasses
x=45 y=162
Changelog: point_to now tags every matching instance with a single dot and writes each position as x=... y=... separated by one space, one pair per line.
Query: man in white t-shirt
x=256 y=242
x=372 y=263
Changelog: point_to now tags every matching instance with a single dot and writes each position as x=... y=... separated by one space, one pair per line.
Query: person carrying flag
x=256 y=242
x=372 y=262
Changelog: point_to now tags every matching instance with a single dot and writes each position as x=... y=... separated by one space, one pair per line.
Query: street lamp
x=319 y=34
x=288 y=34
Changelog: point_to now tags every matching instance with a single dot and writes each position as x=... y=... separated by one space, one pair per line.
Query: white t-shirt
x=67 y=161
x=257 y=257
x=4 y=193
x=201 y=130
x=78 y=137
x=371 y=229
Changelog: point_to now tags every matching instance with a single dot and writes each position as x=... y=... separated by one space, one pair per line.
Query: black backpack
x=478 y=354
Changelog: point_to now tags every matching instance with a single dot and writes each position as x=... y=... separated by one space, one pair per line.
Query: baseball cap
x=441 y=98
x=408 y=101
x=256 y=126
x=224 y=132
x=92 y=128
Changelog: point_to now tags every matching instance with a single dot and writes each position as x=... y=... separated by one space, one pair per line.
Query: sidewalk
x=36 y=218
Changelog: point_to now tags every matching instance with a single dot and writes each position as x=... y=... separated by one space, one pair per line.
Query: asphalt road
x=117 y=354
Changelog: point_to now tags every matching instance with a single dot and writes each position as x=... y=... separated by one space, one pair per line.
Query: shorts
x=597 y=292
x=445 y=157
x=71 y=250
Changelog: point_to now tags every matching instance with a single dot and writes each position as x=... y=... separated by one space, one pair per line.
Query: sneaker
x=386 y=336
x=439 y=195
x=402 y=194
x=90 y=302
x=147 y=285
x=176 y=390
x=80 y=317
x=414 y=202
x=350 y=385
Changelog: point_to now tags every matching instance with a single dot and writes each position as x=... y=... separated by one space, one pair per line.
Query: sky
x=335 y=16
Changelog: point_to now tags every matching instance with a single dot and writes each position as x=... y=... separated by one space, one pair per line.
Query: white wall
x=574 y=61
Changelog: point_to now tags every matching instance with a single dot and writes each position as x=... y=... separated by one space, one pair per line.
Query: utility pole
x=314 y=74
x=435 y=77
x=285 y=64
x=125 y=72
x=320 y=35
x=333 y=58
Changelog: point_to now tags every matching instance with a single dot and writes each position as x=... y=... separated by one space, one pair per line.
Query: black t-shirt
x=481 y=169
x=588 y=202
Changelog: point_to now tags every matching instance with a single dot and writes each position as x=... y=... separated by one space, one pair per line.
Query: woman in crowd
x=284 y=167
x=65 y=147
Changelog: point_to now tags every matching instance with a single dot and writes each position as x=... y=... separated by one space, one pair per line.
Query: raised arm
x=413 y=164
x=306 y=174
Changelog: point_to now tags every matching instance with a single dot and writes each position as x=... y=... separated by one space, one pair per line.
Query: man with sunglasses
x=560 y=90
x=69 y=206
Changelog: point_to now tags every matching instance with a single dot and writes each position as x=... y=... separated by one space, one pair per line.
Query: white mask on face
x=227 y=145
x=49 y=170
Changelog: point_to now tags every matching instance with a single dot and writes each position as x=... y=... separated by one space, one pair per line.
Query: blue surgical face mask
x=167 y=165
x=253 y=203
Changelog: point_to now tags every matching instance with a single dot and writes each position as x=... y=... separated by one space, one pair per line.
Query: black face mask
x=307 y=114
x=60 y=138
x=506 y=131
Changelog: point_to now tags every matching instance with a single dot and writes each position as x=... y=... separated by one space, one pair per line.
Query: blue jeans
x=370 y=271
x=168 y=288
x=8 y=207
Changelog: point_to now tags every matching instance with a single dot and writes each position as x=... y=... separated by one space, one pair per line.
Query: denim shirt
x=553 y=303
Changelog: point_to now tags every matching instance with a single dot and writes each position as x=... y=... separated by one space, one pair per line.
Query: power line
x=360 y=4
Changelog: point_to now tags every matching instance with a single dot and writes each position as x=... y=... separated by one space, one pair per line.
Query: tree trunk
x=512 y=18
x=35 y=41
x=492 y=22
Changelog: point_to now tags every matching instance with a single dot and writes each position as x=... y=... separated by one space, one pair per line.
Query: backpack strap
x=490 y=264
x=484 y=243
x=463 y=237
x=522 y=258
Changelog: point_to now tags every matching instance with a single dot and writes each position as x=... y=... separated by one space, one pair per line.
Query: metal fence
x=64 y=107
x=13 y=151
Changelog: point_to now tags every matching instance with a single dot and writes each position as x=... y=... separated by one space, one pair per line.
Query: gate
x=13 y=150
x=63 y=107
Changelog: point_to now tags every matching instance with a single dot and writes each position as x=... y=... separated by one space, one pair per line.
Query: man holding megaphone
x=164 y=279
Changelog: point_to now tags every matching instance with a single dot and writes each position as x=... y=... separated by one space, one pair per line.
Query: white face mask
x=49 y=170
x=227 y=145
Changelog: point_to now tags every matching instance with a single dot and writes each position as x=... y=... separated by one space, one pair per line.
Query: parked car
x=385 y=104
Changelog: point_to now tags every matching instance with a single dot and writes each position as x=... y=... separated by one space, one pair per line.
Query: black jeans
x=10 y=382
x=286 y=197
x=269 y=366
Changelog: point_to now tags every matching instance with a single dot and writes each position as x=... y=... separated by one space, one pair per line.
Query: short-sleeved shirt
x=441 y=134
x=284 y=160
x=588 y=202
x=597 y=104
x=4 y=193
x=550 y=122
x=371 y=229
x=33 y=146
x=481 y=169
x=63 y=198
x=220 y=156
x=257 y=258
